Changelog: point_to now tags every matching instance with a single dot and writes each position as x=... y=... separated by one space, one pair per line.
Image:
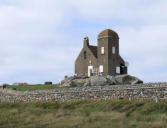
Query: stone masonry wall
x=150 y=91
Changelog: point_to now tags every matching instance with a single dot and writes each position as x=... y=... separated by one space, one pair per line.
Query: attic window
x=84 y=54
x=102 y=50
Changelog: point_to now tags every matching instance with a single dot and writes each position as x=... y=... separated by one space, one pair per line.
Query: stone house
x=103 y=59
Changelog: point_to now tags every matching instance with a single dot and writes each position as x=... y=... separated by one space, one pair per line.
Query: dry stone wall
x=150 y=91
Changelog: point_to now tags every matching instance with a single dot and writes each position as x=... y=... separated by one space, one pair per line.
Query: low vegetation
x=41 y=87
x=33 y=87
x=84 y=114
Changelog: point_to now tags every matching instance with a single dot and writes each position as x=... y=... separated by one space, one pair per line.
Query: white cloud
x=150 y=11
x=28 y=31
x=40 y=39
x=145 y=48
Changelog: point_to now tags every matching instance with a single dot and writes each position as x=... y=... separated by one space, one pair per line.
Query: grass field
x=84 y=114
x=33 y=87
x=39 y=87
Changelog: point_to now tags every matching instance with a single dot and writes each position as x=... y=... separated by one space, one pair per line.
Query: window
x=102 y=50
x=101 y=68
x=113 y=50
x=84 y=54
x=118 y=70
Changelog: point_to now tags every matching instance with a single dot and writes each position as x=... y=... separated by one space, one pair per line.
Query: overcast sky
x=40 y=39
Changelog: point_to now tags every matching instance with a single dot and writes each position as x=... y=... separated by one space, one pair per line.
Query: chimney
x=86 y=41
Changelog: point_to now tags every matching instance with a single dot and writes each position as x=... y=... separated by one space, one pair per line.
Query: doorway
x=90 y=71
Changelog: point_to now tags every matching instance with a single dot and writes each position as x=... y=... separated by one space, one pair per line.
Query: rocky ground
x=73 y=81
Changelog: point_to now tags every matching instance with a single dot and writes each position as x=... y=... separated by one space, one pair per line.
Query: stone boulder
x=67 y=81
x=73 y=81
x=100 y=81
x=111 y=80
x=127 y=79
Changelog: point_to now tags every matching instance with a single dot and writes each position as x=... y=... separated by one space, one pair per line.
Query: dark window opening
x=122 y=66
x=84 y=54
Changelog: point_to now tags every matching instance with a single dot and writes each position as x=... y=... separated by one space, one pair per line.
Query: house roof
x=108 y=32
x=121 y=60
x=93 y=50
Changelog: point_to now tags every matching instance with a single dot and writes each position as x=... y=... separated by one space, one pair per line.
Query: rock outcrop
x=74 y=81
x=127 y=79
x=100 y=81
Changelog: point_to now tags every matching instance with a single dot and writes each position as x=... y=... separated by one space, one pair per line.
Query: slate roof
x=93 y=50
